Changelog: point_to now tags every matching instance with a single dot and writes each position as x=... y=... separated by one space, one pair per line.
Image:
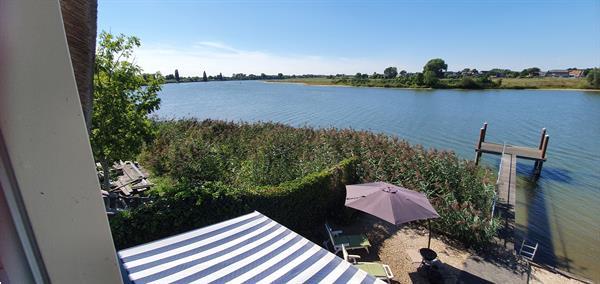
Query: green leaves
x=437 y=66
x=390 y=72
x=123 y=98
x=430 y=78
x=593 y=78
x=299 y=204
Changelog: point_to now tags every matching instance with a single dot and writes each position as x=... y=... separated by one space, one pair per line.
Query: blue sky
x=328 y=37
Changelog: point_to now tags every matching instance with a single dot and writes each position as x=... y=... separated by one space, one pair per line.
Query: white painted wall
x=49 y=152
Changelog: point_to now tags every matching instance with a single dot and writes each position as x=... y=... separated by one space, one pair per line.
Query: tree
x=390 y=72
x=122 y=101
x=177 y=75
x=419 y=79
x=593 y=77
x=403 y=73
x=220 y=77
x=437 y=66
x=204 y=78
x=468 y=83
x=280 y=76
x=530 y=72
x=430 y=78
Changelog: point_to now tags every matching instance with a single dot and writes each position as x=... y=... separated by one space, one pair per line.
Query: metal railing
x=497 y=183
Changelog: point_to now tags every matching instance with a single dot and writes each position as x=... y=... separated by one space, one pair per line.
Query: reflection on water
x=560 y=210
x=557 y=175
x=532 y=203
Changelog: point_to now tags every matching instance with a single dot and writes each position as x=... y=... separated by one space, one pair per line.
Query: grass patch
x=543 y=83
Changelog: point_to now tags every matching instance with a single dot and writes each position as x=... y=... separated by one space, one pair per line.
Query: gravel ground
x=399 y=247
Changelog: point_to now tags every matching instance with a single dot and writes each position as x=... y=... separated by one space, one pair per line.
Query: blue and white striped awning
x=248 y=249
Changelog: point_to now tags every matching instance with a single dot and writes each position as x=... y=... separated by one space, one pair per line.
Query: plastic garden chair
x=381 y=271
x=350 y=242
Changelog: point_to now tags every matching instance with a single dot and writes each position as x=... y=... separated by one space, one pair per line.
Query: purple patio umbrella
x=391 y=203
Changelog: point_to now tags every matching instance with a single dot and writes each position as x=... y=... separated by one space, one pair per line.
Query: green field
x=544 y=83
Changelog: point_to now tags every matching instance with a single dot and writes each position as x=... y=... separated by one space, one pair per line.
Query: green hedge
x=297 y=204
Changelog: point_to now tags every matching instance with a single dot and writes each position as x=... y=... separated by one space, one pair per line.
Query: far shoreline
x=309 y=83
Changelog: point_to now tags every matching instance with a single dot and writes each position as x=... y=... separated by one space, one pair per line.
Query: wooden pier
x=506 y=185
x=536 y=154
x=507 y=180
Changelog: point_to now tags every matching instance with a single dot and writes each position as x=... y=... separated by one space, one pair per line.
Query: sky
x=331 y=37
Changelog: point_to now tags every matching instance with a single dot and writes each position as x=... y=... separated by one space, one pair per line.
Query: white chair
x=350 y=242
x=378 y=270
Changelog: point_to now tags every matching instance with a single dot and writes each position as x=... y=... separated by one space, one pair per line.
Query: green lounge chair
x=350 y=242
x=381 y=271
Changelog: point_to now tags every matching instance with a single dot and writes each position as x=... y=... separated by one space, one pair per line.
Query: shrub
x=297 y=204
x=593 y=78
x=469 y=83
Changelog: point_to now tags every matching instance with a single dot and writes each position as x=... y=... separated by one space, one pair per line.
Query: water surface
x=560 y=210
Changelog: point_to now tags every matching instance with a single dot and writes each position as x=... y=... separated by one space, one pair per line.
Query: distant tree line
x=435 y=74
x=175 y=78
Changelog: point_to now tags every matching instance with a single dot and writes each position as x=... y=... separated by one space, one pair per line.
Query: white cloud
x=218 y=57
x=216 y=46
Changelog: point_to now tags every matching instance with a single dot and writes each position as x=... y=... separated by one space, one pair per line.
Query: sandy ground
x=399 y=247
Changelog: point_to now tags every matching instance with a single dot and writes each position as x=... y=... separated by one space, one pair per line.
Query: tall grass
x=245 y=156
x=544 y=83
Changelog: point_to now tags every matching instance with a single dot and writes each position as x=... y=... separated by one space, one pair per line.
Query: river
x=561 y=210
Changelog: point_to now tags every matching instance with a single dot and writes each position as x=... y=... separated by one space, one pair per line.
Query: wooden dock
x=506 y=185
x=519 y=151
x=506 y=193
x=507 y=180
x=537 y=154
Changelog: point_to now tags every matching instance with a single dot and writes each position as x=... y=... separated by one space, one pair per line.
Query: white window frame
x=52 y=214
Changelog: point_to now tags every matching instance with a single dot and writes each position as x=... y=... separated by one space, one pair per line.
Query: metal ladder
x=528 y=251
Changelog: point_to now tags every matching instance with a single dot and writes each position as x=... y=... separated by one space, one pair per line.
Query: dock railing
x=497 y=184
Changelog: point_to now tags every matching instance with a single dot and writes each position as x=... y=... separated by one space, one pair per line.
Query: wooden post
x=481 y=139
x=542 y=138
x=545 y=146
x=539 y=163
x=484 y=131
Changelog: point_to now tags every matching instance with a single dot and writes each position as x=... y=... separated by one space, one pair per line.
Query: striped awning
x=248 y=249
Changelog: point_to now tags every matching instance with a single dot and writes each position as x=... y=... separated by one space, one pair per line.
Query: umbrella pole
x=429 y=241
